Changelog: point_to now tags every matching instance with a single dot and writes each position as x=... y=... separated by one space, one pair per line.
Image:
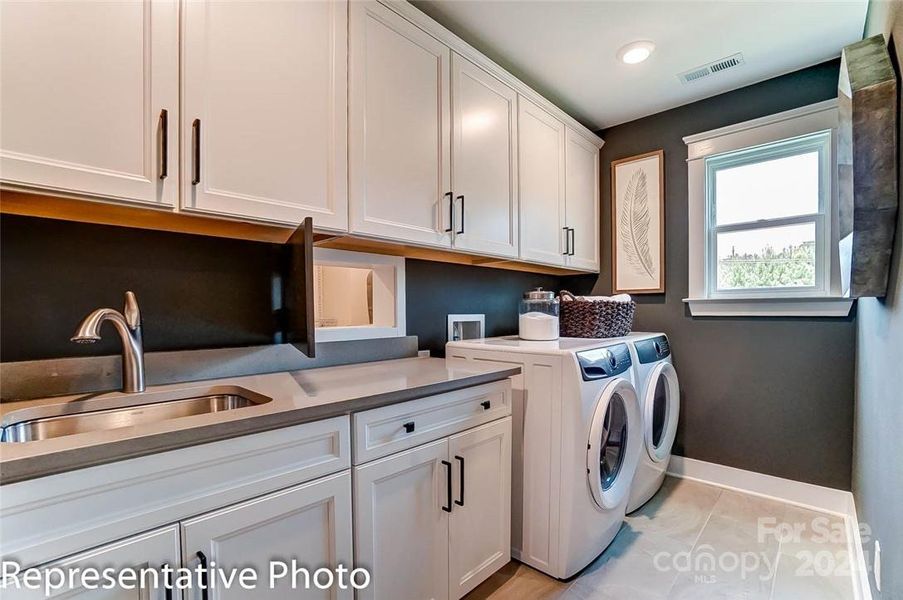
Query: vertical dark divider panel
x=298 y=289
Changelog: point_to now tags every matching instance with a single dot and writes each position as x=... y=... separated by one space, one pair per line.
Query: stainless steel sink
x=60 y=425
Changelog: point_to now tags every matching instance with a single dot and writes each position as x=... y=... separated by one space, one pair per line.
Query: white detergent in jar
x=538 y=326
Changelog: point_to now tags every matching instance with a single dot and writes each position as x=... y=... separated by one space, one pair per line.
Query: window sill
x=822 y=306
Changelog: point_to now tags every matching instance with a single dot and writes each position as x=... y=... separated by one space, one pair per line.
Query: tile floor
x=697 y=541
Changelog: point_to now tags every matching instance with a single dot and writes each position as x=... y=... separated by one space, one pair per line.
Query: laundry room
x=444 y=299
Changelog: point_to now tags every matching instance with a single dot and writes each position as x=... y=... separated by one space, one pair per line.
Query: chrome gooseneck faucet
x=128 y=325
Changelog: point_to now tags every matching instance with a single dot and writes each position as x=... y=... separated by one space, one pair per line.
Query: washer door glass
x=613 y=442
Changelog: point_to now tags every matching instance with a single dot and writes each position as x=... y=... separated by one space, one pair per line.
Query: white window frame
x=783 y=134
x=389 y=270
x=821 y=142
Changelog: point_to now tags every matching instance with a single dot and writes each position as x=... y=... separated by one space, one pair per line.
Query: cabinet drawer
x=49 y=517
x=383 y=431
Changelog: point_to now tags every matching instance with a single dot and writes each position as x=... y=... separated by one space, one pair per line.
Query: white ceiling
x=566 y=49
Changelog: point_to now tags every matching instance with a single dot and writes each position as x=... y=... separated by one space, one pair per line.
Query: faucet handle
x=130 y=312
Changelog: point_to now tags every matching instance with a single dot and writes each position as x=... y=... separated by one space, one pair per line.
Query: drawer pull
x=448 y=485
x=485 y=404
x=409 y=427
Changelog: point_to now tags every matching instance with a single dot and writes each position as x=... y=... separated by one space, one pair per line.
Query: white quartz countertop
x=296 y=397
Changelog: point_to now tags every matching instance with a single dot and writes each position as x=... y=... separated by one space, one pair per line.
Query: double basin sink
x=58 y=420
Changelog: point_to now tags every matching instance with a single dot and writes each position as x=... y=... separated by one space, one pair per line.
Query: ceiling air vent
x=711 y=68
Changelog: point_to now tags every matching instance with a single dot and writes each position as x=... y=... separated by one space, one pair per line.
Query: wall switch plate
x=465 y=327
x=877 y=567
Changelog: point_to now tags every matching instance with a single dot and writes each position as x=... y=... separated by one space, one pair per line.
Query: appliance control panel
x=653 y=349
x=600 y=363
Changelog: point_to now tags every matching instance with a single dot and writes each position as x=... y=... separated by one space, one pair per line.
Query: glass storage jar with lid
x=538 y=316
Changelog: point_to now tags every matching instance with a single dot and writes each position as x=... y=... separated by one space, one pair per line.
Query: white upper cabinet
x=541 y=145
x=400 y=126
x=582 y=201
x=309 y=523
x=484 y=161
x=264 y=124
x=90 y=100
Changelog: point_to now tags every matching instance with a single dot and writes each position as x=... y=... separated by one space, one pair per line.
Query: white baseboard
x=807 y=495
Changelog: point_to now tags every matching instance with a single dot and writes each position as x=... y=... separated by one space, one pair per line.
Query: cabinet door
x=541 y=184
x=400 y=527
x=484 y=161
x=148 y=551
x=84 y=88
x=309 y=523
x=582 y=201
x=399 y=136
x=264 y=96
x=480 y=522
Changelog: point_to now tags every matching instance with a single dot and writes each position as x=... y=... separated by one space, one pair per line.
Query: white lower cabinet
x=433 y=522
x=401 y=528
x=480 y=522
x=151 y=550
x=304 y=527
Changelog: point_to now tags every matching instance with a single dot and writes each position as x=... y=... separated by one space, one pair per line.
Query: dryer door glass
x=661 y=406
x=659 y=410
x=614 y=442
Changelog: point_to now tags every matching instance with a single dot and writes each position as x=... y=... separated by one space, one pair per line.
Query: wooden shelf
x=84 y=210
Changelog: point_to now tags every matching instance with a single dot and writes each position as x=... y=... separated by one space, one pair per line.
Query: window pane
x=767 y=258
x=782 y=187
x=343 y=296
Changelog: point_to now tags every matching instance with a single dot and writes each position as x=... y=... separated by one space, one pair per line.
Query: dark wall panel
x=768 y=395
x=194 y=291
x=201 y=292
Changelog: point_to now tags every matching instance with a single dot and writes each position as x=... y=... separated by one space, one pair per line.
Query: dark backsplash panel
x=201 y=292
x=194 y=291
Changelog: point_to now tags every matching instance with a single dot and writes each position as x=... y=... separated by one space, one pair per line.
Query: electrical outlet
x=877 y=568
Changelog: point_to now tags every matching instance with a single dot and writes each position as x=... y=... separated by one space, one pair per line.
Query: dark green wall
x=767 y=395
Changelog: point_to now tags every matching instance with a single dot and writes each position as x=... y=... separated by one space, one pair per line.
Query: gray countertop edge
x=33 y=467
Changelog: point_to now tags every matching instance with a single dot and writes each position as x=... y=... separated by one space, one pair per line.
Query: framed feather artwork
x=638 y=223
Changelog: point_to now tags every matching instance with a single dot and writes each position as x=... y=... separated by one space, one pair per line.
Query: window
x=761 y=219
x=358 y=296
x=766 y=218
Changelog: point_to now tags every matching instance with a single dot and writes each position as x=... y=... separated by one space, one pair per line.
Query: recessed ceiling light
x=636 y=52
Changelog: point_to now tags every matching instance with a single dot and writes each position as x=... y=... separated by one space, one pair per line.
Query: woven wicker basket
x=594 y=318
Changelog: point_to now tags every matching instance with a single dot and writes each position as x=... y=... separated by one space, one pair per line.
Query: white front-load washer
x=577 y=439
x=659 y=392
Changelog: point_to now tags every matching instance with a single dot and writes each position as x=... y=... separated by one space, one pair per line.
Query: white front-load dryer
x=577 y=440
x=658 y=390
